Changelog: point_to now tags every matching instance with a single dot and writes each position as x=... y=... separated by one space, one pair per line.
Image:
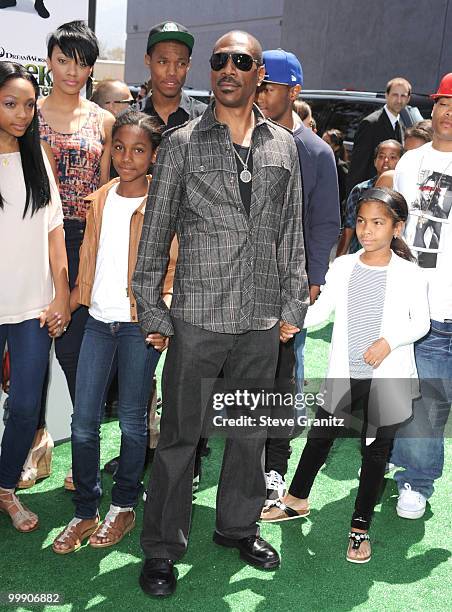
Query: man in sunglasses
x=168 y=56
x=229 y=185
x=113 y=95
x=321 y=225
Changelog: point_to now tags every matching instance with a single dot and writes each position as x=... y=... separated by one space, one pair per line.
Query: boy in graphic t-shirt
x=424 y=177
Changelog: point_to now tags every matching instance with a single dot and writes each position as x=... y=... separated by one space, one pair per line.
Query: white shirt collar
x=392 y=118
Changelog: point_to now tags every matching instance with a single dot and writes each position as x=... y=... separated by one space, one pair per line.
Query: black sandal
x=356 y=539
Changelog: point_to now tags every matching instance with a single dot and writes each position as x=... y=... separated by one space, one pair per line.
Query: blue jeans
x=28 y=347
x=419 y=445
x=102 y=344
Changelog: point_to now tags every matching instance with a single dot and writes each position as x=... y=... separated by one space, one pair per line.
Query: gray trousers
x=195 y=354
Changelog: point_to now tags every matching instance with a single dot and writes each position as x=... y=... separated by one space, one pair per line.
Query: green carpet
x=410 y=568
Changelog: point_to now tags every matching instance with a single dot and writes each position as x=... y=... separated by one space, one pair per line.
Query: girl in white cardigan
x=380 y=303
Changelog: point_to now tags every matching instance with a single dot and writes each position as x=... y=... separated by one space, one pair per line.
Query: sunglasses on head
x=242 y=61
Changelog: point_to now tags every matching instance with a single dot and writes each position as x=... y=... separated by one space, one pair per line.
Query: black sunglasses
x=129 y=102
x=242 y=61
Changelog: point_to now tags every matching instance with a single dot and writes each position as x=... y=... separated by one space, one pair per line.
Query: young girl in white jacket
x=380 y=303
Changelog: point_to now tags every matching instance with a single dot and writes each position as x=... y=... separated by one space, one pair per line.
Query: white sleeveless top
x=25 y=275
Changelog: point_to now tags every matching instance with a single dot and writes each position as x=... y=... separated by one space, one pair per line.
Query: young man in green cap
x=168 y=56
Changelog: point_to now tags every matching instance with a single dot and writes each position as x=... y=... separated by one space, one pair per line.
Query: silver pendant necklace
x=245 y=174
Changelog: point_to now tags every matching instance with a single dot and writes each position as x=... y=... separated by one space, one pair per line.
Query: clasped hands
x=56 y=316
x=158 y=341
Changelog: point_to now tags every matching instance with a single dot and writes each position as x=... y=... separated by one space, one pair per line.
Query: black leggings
x=374 y=456
x=277 y=446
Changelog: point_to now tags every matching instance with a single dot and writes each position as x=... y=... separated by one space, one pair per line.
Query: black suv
x=344 y=110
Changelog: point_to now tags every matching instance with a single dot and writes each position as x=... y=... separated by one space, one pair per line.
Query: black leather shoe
x=111 y=466
x=157 y=577
x=253 y=549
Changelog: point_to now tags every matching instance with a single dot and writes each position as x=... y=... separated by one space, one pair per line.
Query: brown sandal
x=69 y=481
x=9 y=502
x=73 y=535
x=39 y=461
x=113 y=528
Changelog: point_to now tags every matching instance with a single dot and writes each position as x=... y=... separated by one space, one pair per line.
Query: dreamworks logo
x=14 y=57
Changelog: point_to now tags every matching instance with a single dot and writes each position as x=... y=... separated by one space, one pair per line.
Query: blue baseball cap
x=282 y=67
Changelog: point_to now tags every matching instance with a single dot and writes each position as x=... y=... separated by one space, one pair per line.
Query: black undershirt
x=245 y=188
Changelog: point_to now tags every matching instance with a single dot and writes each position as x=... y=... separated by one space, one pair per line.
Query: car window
x=346 y=116
x=343 y=115
x=320 y=111
x=425 y=109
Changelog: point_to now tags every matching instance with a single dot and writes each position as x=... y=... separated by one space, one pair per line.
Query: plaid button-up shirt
x=234 y=273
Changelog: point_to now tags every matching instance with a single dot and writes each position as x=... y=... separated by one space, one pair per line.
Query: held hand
x=54 y=324
x=159 y=342
x=376 y=352
x=56 y=316
x=287 y=331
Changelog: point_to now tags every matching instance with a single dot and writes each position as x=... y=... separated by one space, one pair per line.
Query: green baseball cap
x=170 y=30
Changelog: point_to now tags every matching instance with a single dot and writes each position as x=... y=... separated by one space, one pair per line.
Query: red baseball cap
x=445 y=87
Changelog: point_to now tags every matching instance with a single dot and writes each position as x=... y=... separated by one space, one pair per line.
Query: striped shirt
x=366 y=296
x=234 y=272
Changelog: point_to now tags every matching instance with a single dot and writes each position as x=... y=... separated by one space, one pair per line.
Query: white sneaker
x=276 y=486
x=411 y=504
x=196 y=481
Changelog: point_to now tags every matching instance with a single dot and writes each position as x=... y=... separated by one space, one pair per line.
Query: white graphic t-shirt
x=424 y=177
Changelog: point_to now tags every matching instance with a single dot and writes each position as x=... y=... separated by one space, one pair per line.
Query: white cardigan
x=405 y=319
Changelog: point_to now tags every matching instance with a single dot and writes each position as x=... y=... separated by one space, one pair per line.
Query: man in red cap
x=424 y=177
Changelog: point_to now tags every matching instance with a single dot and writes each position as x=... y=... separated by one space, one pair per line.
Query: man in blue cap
x=281 y=86
x=321 y=225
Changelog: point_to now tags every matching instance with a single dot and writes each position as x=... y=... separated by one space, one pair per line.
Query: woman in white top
x=381 y=308
x=33 y=274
